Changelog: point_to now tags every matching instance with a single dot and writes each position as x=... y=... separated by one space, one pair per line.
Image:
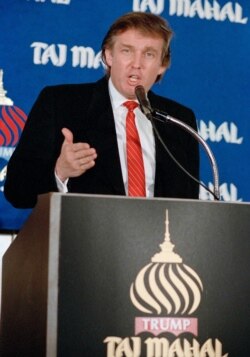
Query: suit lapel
x=163 y=161
x=102 y=136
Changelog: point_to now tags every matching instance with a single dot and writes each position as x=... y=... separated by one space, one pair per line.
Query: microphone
x=143 y=101
x=164 y=117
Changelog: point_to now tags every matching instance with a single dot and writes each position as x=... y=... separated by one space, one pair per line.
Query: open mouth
x=133 y=79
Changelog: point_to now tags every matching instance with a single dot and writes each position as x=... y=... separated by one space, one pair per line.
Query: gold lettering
x=112 y=341
x=175 y=349
x=207 y=349
x=161 y=347
x=157 y=347
x=191 y=350
x=218 y=349
x=117 y=347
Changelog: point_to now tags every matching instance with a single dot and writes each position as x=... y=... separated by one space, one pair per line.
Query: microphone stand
x=167 y=118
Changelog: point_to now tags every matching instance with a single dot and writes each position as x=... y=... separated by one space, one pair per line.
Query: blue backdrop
x=44 y=42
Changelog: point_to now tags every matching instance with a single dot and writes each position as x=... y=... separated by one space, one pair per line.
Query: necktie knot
x=130 y=105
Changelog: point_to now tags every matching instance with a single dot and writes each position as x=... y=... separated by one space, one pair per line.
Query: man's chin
x=131 y=93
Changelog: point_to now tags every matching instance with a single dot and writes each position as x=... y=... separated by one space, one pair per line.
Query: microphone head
x=139 y=90
x=143 y=101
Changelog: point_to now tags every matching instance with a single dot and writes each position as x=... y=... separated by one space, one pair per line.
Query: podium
x=115 y=276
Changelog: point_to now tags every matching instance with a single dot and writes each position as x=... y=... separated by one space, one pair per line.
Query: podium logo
x=166 y=286
x=170 y=291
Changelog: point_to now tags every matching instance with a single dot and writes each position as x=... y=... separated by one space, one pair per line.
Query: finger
x=68 y=136
x=85 y=161
x=88 y=165
x=86 y=153
x=80 y=147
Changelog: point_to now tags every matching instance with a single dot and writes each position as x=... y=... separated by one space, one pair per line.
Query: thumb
x=68 y=136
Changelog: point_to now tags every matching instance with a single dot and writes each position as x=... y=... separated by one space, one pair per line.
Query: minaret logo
x=167 y=287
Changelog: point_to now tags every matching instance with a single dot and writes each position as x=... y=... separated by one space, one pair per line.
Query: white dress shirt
x=145 y=131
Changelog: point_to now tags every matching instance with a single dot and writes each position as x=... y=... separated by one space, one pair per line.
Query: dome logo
x=166 y=286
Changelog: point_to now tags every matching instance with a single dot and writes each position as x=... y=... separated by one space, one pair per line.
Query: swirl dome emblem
x=12 y=118
x=166 y=285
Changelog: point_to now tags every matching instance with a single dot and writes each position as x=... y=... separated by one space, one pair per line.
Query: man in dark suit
x=74 y=137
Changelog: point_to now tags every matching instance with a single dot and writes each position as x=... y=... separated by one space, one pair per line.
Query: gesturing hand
x=75 y=158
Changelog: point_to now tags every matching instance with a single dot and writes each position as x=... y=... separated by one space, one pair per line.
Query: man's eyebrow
x=147 y=48
x=126 y=45
x=150 y=48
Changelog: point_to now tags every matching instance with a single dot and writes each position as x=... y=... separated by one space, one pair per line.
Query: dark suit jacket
x=86 y=110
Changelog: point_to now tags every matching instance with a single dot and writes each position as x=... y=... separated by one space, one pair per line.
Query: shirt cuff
x=62 y=186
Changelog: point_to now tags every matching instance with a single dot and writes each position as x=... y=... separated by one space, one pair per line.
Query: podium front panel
x=106 y=243
x=154 y=277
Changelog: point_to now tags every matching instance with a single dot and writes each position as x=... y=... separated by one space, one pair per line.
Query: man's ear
x=162 y=70
x=108 y=56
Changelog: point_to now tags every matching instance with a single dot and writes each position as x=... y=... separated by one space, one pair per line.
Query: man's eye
x=149 y=54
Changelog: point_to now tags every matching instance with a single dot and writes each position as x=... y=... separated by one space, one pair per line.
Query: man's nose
x=137 y=60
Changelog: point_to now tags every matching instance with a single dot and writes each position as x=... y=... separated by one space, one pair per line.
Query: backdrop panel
x=46 y=42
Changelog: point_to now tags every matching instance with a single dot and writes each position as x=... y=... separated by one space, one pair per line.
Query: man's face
x=134 y=59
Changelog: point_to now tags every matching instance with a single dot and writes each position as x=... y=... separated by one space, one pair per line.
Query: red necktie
x=136 y=174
